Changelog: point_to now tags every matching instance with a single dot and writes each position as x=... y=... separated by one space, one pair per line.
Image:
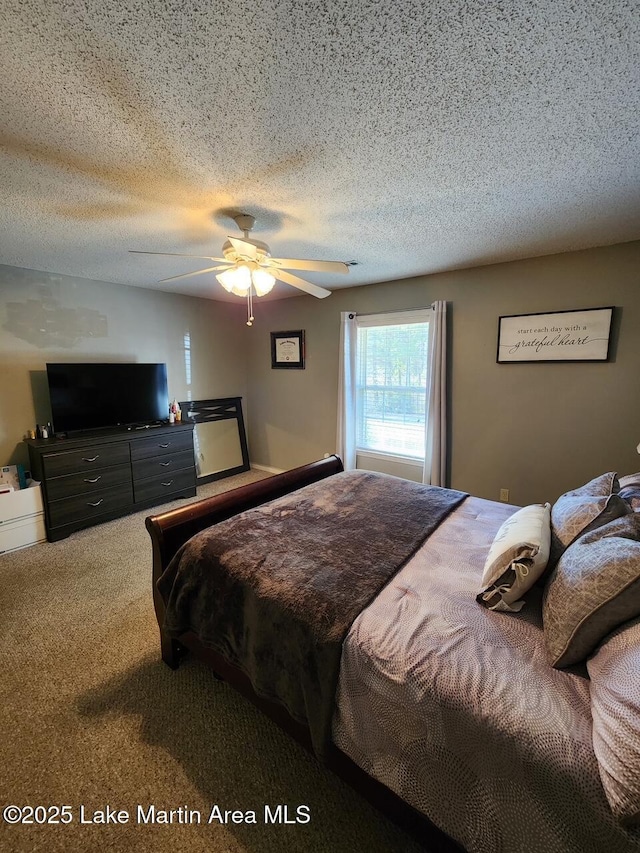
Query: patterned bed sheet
x=456 y=708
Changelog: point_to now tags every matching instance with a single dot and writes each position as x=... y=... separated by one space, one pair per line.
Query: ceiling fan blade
x=300 y=283
x=178 y=255
x=318 y=266
x=243 y=247
x=197 y=272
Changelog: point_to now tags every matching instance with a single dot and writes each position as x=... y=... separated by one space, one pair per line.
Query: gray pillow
x=630 y=490
x=605 y=484
x=631 y=494
x=630 y=480
x=584 y=509
x=594 y=588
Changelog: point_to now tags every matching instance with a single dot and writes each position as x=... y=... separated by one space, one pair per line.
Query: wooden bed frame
x=169 y=531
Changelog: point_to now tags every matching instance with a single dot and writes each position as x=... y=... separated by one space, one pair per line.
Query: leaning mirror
x=220 y=443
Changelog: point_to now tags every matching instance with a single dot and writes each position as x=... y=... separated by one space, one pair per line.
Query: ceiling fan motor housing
x=232 y=255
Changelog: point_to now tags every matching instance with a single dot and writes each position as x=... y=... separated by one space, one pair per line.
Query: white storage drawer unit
x=21 y=518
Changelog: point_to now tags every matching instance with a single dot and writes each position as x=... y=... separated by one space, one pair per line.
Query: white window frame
x=391 y=318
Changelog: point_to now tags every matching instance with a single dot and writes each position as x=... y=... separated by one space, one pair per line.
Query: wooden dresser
x=98 y=477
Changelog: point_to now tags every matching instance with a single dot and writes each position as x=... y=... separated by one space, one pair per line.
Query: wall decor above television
x=88 y=396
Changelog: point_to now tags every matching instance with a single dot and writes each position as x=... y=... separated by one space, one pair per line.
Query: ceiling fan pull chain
x=250 y=306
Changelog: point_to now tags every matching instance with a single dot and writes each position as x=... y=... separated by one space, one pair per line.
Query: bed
x=447 y=715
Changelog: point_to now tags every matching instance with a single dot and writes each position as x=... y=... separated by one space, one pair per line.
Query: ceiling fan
x=247 y=266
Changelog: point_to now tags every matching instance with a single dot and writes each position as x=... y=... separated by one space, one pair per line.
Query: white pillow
x=518 y=556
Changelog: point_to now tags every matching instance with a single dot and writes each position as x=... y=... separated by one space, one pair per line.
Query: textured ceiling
x=412 y=137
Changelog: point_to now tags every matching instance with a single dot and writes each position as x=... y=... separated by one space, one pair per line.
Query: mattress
x=456 y=709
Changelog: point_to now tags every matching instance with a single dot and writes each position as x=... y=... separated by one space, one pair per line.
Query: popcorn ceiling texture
x=412 y=137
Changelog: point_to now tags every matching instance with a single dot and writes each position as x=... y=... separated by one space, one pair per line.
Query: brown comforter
x=275 y=589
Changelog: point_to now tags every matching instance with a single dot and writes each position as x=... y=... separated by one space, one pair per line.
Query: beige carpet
x=91 y=717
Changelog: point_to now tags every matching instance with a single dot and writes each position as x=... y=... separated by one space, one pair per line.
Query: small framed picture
x=287 y=350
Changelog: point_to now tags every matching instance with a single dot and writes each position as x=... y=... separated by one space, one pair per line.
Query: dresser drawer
x=85 y=459
x=86 y=482
x=82 y=507
x=148 y=447
x=165 y=484
x=153 y=467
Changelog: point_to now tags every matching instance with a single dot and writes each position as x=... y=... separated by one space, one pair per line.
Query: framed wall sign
x=287 y=350
x=562 y=336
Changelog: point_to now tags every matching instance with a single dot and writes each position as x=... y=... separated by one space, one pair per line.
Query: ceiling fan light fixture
x=236 y=280
x=227 y=279
x=239 y=279
x=263 y=281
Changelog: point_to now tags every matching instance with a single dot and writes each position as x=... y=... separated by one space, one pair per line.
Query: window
x=391 y=383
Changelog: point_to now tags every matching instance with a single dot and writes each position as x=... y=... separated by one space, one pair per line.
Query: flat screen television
x=97 y=396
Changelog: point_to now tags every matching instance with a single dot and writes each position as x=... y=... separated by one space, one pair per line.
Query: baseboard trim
x=268 y=469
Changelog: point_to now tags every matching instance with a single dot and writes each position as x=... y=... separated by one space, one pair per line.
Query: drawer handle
x=97 y=503
x=93 y=458
x=95 y=479
x=164 y=446
x=168 y=484
x=164 y=464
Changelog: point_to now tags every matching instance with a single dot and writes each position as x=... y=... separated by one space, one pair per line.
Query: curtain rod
x=393 y=311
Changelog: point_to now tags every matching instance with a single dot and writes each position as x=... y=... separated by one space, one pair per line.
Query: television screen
x=94 y=396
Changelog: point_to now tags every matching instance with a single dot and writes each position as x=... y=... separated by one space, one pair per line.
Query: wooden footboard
x=170 y=530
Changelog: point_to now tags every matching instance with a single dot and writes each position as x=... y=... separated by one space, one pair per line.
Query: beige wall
x=536 y=429
x=46 y=317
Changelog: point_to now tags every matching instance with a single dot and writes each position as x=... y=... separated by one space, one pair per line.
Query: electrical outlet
x=504 y=495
